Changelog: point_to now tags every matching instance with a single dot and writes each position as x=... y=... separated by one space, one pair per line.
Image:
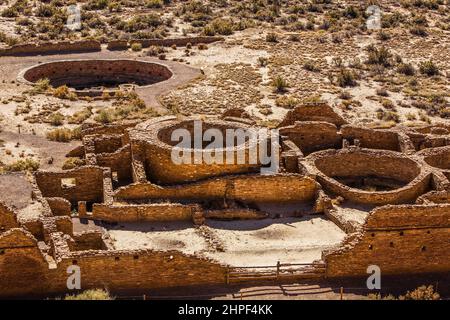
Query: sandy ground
x=15 y=191
x=245 y=243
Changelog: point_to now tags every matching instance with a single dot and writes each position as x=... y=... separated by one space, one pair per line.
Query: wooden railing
x=278 y=272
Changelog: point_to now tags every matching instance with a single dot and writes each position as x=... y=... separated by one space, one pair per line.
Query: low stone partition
x=51 y=48
x=398 y=239
x=142 y=212
x=235 y=214
x=246 y=188
x=179 y=42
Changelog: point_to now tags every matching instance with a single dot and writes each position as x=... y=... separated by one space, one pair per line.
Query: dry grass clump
x=429 y=68
x=72 y=163
x=28 y=164
x=420 y=293
x=64 y=134
x=286 y=102
x=80 y=116
x=56 y=119
x=63 y=92
x=92 y=294
x=346 y=78
x=280 y=84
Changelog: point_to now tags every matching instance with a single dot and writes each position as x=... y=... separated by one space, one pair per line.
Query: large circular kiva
x=156 y=143
x=94 y=73
x=374 y=177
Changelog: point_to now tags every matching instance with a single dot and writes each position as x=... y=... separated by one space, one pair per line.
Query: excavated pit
x=95 y=74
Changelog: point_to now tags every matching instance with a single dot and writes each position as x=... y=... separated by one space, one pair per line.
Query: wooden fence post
x=342 y=293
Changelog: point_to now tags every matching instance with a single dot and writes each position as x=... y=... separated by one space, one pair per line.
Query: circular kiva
x=374 y=177
x=96 y=74
x=437 y=157
x=167 y=161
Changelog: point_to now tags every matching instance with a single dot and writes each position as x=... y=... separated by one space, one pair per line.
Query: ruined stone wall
x=119 y=161
x=88 y=184
x=8 y=218
x=247 y=188
x=23 y=268
x=372 y=139
x=59 y=206
x=87 y=240
x=51 y=48
x=398 y=239
x=313 y=136
x=107 y=143
x=179 y=42
x=25 y=271
x=312 y=112
x=144 y=212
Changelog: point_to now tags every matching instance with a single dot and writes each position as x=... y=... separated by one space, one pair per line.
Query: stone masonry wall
x=51 y=48
x=398 y=239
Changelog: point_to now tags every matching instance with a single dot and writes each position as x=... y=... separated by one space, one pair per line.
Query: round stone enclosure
x=156 y=139
x=368 y=176
x=95 y=73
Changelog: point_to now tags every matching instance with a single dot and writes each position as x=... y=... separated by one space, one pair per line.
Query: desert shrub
x=271 y=37
x=429 y=68
x=382 y=92
x=104 y=117
x=45 y=10
x=71 y=163
x=280 y=84
x=419 y=31
x=154 y=4
x=96 y=5
x=383 y=35
x=80 y=116
x=388 y=116
x=310 y=66
x=64 y=134
x=219 y=26
x=92 y=294
x=56 y=119
x=346 y=78
x=155 y=51
x=63 y=92
x=286 y=102
x=381 y=56
x=42 y=85
x=345 y=95
x=263 y=61
x=406 y=69
x=296 y=37
x=23 y=165
x=136 y=46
